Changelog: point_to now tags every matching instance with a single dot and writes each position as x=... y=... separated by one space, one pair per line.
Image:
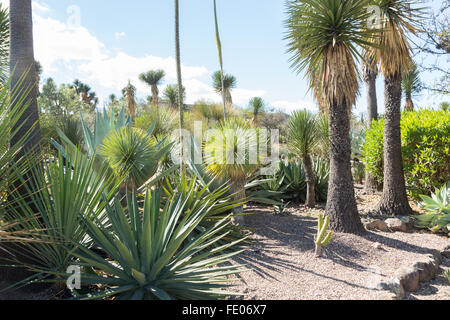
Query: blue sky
x=106 y=43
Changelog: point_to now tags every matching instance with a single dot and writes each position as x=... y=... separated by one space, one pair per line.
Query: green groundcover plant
x=425 y=150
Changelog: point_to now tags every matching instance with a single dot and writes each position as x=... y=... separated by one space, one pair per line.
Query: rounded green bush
x=425 y=150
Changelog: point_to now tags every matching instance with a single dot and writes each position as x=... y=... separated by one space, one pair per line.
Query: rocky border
x=408 y=278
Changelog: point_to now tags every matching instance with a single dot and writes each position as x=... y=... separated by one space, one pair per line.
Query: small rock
x=377 y=245
x=426 y=270
x=395 y=224
x=409 y=278
x=377 y=225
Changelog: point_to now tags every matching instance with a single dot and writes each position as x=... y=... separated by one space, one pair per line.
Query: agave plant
x=438 y=206
x=154 y=254
x=221 y=203
x=63 y=194
x=129 y=152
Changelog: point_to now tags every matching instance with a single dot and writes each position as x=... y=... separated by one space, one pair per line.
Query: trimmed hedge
x=425 y=150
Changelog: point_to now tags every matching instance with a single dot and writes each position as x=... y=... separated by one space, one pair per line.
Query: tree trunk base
x=371 y=186
x=393 y=208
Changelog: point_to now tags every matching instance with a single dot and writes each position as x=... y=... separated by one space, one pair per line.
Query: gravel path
x=284 y=267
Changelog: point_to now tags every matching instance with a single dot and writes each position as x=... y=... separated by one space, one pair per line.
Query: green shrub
x=425 y=150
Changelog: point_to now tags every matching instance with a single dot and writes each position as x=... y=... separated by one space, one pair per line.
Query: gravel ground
x=284 y=267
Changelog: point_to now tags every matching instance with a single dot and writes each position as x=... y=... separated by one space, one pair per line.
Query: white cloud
x=74 y=52
x=40 y=6
x=56 y=41
x=291 y=106
x=119 y=35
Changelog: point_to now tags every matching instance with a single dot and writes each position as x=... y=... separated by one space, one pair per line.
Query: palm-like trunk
x=409 y=104
x=228 y=99
x=23 y=67
x=155 y=98
x=370 y=74
x=341 y=204
x=310 y=192
x=394 y=200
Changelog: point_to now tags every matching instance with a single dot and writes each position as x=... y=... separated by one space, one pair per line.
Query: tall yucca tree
x=370 y=74
x=323 y=37
x=411 y=84
x=303 y=138
x=392 y=52
x=153 y=78
x=219 y=49
x=257 y=106
x=129 y=92
x=223 y=85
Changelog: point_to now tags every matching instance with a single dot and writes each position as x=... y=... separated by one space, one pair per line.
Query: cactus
x=322 y=238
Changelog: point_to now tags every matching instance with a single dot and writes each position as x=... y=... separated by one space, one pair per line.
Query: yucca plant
x=223 y=84
x=303 y=138
x=165 y=121
x=153 y=253
x=232 y=154
x=60 y=195
x=153 y=78
x=411 y=85
x=134 y=153
x=256 y=107
x=392 y=51
x=323 y=36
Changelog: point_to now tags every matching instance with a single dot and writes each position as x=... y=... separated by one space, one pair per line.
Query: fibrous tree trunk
x=310 y=192
x=394 y=200
x=341 y=204
x=409 y=104
x=370 y=73
x=155 y=93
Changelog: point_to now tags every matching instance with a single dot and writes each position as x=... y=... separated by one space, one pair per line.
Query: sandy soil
x=284 y=267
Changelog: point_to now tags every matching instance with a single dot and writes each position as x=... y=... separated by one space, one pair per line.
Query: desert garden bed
x=283 y=265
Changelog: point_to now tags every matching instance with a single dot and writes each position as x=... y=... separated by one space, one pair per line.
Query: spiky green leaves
x=232 y=150
x=323 y=37
x=152 y=77
x=154 y=254
x=229 y=82
x=392 y=50
x=411 y=81
x=303 y=133
x=134 y=153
